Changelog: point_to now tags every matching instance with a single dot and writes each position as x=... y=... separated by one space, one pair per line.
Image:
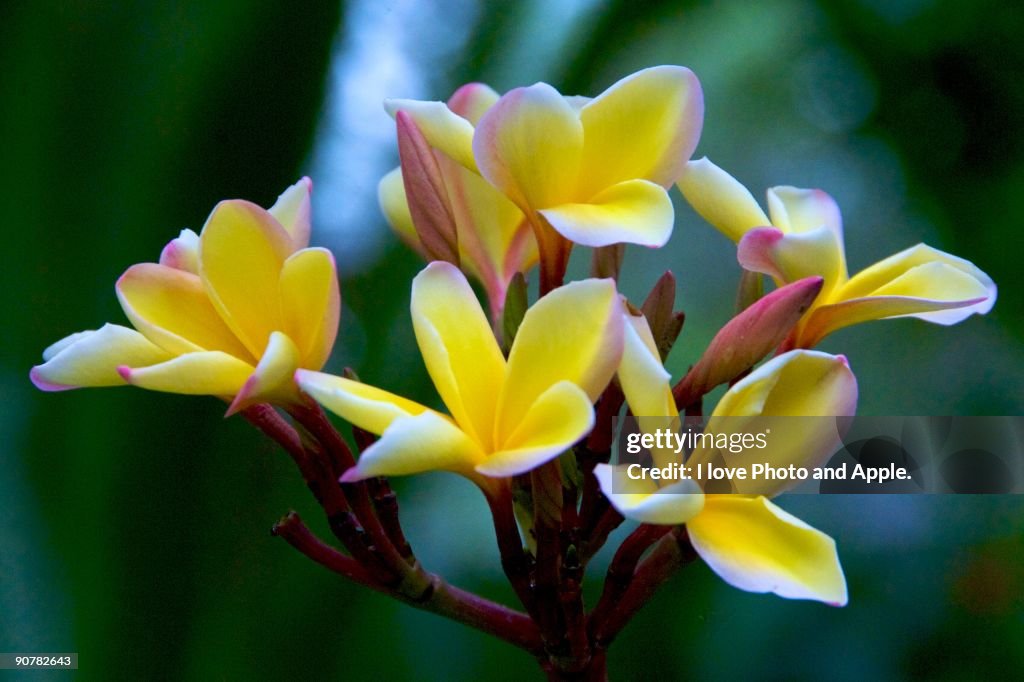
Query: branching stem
x=438 y=596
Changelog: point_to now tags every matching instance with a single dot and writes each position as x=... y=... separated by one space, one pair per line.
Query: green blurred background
x=134 y=526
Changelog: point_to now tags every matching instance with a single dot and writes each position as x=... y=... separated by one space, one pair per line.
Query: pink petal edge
x=43 y=385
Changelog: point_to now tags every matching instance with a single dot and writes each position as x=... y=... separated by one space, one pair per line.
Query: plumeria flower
x=476 y=225
x=745 y=538
x=507 y=417
x=590 y=171
x=230 y=312
x=802 y=235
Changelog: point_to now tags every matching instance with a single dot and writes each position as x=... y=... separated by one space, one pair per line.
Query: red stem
x=385 y=502
x=597 y=450
x=514 y=560
x=622 y=569
x=322 y=482
x=312 y=417
x=603 y=527
x=265 y=418
x=668 y=554
x=554 y=254
x=685 y=393
x=546 y=485
x=439 y=597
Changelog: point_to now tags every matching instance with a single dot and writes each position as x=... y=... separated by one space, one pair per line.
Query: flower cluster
x=489 y=186
x=233 y=311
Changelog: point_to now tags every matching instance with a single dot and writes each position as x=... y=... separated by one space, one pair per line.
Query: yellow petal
x=756 y=546
x=172 y=309
x=241 y=251
x=444 y=129
x=91 y=358
x=391 y=195
x=795 y=210
x=472 y=101
x=273 y=379
x=572 y=334
x=645 y=126
x=720 y=199
x=929 y=274
x=797 y=384
x=800 y=383
x=645 y=384
x=182 y=252
x=529 y=145
x=458 y=347
x=311 y=304
x=829 y=318
x=632 y=212
x=805 y=212
x=204 y=373
x=788 y=257
x=411 y=445
x=920 y=282
x=292 y=210
x=644 y=380
x=363 y=405
x=641 y=499
x=561 y=416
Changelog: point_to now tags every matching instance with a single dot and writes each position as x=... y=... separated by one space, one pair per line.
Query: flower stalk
x=669 y=554
x=439 y=597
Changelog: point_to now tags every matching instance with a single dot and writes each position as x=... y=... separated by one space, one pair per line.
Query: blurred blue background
x=134 y=526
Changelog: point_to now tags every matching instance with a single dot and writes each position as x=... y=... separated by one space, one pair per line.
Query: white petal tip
x=303 y=377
